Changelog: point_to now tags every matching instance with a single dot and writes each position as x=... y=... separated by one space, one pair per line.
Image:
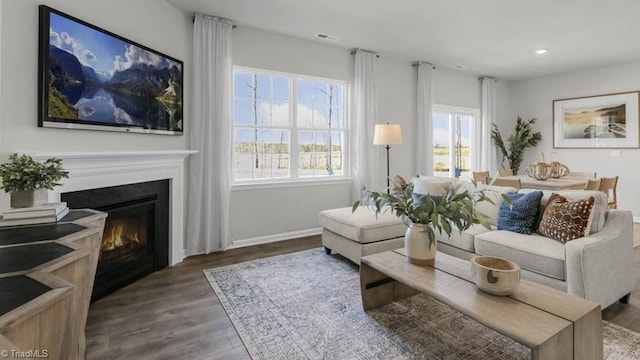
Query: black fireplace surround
x=136 y=235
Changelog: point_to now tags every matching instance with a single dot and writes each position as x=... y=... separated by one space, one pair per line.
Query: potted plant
x=28 y=180
x=426 y=214
x=517 y=143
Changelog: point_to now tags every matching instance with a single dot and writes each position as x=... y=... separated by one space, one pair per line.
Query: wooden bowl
x=495 y=275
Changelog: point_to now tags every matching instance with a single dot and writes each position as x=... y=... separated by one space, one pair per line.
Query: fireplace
x=136 y=234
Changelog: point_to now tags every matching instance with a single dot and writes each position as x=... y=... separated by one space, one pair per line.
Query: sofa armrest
x=599 y=267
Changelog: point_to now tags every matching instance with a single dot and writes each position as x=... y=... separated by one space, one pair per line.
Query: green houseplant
x=28 y=180
x=524 y=137
x=426 y=214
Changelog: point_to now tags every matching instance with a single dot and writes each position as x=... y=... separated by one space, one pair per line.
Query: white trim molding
x=91 y=170
x=274 y=238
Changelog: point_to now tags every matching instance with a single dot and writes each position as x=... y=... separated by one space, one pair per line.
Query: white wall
x=534 y=98
x=258 y=213
x=267 y=214
x=168 y=30
x=282 y=212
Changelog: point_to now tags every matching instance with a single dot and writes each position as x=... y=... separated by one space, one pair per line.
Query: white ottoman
x=361 y=233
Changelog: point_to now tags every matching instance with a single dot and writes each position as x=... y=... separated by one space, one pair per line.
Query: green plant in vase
x=28 y=180
x=513 y=150
x=424 y=214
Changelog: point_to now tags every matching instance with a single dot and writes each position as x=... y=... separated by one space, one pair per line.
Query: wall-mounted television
x=92 y=79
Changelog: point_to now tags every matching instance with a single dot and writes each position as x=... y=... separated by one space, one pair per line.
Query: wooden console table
x=553 y=324
x=46 y=279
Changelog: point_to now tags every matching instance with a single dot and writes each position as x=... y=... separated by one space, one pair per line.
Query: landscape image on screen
x=96 y=78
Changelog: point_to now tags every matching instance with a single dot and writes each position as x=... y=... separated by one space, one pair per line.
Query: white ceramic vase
x=416 y=245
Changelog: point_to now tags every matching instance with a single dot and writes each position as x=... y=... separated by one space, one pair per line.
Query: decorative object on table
x=495 y=275
x=424 y=213
x=539 y=170
x=517 y=143
x=602 y=121
x=558 y=169
x=28 y=180
x=127 y=87
x=42 y=214
x=387 y=134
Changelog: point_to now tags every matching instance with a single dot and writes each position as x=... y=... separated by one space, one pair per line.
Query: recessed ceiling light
x=461 y=67
x=542 y=51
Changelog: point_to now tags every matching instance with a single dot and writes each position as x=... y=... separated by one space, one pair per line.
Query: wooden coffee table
x=552 y=323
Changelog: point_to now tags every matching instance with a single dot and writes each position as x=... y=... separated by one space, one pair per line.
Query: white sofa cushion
x=464 y=240
x=363 y=225
x=495 y=194
x=534 y=252
x=431 y=186
x=599 y=206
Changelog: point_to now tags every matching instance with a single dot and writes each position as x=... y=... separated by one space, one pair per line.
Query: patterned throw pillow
x=521 y=216
x=565 y=220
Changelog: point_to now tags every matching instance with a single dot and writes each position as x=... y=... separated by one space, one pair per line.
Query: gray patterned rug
x=307 y=305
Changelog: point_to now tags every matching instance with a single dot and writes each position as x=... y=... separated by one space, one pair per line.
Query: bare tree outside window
x=263 y=125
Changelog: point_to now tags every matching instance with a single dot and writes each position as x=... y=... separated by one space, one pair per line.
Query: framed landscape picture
x=603 y=121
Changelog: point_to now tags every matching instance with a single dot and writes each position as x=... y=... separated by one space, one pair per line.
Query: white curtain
x=488 y=150
x=208 y=227
x=424 y=128
x=365 y=156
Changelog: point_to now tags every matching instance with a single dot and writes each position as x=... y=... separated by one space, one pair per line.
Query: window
x=287 y=127
x=454 y=140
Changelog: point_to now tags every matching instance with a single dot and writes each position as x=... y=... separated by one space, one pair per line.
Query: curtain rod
x=425 y=62
x=481 y=77
x=353 y=51
x=193 y=19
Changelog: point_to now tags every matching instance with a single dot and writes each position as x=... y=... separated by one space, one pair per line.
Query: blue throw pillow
x=522 y=215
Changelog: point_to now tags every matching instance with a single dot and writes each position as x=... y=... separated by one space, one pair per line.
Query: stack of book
x=47 y=213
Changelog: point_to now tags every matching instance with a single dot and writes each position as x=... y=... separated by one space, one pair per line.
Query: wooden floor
x=174 y=314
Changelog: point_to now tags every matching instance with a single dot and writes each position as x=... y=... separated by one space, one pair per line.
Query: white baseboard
x=274 y=238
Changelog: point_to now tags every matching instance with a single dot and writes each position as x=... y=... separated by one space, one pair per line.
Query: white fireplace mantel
x=91 y=170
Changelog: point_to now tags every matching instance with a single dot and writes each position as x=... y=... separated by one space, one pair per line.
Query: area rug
x=307 y=305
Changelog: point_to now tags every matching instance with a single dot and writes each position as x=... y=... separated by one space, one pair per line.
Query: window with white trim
x=287 y=127
x=455 y=132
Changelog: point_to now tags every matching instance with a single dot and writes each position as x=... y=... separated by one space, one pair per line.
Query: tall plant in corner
x=517 y=143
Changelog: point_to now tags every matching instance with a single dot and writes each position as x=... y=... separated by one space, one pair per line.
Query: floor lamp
x=387 y=134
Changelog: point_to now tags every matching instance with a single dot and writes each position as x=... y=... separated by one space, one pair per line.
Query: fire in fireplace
x=124 y=240
x=135 y=239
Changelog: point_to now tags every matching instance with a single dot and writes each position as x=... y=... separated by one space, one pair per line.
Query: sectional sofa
x=598 y=267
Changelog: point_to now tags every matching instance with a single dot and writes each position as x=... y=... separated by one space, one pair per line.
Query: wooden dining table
x=563 y=183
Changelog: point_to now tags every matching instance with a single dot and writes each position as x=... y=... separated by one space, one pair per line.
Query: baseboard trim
x=274 y=238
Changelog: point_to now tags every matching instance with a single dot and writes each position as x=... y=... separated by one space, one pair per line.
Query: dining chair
x=481 y=176
x=583 y=174
x=507 y=182
x=505 y=172
x=609 y=187
x=593 y=184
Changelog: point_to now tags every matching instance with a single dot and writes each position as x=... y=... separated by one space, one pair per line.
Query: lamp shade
x=387 y=134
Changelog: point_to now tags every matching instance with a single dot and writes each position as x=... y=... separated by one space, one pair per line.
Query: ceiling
x=488 y=37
